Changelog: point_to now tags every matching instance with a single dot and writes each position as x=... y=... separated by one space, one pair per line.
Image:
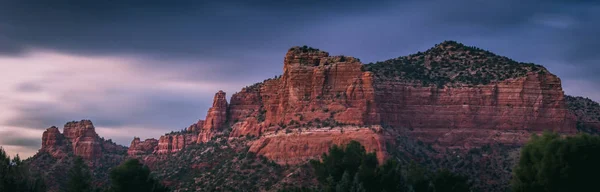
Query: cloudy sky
x=146 y=67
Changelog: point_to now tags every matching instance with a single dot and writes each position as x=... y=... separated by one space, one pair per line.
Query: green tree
x=446 y=181
x=15 y=175
x=390 y=177
x=417 y=178
x=345 y=183
x=79 y=177
x=133 y=176
x=554 y=163
x=353 y=169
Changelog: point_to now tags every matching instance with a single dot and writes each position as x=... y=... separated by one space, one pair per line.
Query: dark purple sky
x=142 y=68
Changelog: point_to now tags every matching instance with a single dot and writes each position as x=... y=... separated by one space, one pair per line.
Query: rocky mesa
x=451 y=95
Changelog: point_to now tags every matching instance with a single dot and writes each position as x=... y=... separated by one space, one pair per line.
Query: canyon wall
x=505 y=112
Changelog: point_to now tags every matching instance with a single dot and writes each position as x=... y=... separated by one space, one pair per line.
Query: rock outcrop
x=54 y=142
x=215 y=118
x=139 y=147
x=175 y=142
x=80 y=138
x=82 y=134
x=196 y=127
x=449 y=96
x=199 y=132
x=298 y=147
x=317 y=90
x=587 y=113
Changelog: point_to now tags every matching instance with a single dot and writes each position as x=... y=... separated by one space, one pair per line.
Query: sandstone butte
x=79 y=138
x=321 y=100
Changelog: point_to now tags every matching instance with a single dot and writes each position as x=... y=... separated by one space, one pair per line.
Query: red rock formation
x=54 y=142
x=316 y=89
x=299 y=147
x=467 y=115
x=215 y=118
x=145 y=147
x=84 y=139
x=196 y=127
x=172 y=143
x=79 y=137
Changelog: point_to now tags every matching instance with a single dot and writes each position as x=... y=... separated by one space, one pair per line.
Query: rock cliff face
x=196 y=127
x=317 y=90
x=82 y=134
x=138 y=147
x=215 y=118
x=172 y=143
x=199 y=132
x=300 y=146
x=449 y=96
x=79 y=135
x=54 y=142
x=504 y=112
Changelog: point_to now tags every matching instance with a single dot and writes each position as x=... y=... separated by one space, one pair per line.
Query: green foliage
x=446 y=181
x=16 y=176
x=132 y=176
x=587 y=113
x=488 y=170
x=417 y=178
x=553 y=163
x=451 y=63
x=353 y=169
x=79 y=177
x=213 y=166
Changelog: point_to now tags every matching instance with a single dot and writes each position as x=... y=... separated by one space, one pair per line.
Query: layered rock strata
x=80 y=138
x=317 y=90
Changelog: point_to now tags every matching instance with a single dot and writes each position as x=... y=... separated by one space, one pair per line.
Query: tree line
x=548 y=163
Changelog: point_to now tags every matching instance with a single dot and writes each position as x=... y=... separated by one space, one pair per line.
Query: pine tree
x=133 y=176
x=357 y=185
x=446 y=181
x=15 y=175
x=345 y=183
x=79 y=177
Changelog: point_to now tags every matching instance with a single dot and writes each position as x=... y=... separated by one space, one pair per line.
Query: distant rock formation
x=78 y=137
x=145 y=147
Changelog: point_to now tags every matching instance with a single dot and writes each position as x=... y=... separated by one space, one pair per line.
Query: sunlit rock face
x=449 y=96
x=318 y=90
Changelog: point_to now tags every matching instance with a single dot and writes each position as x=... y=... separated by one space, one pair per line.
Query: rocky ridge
x=587 y=113
x=79 y=138
x=451 y=95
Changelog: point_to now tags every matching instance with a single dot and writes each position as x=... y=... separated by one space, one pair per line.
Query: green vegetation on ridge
x=451 y=63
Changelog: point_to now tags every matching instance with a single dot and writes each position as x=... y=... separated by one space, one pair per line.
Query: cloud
x=46 y=88
x=21 y=141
